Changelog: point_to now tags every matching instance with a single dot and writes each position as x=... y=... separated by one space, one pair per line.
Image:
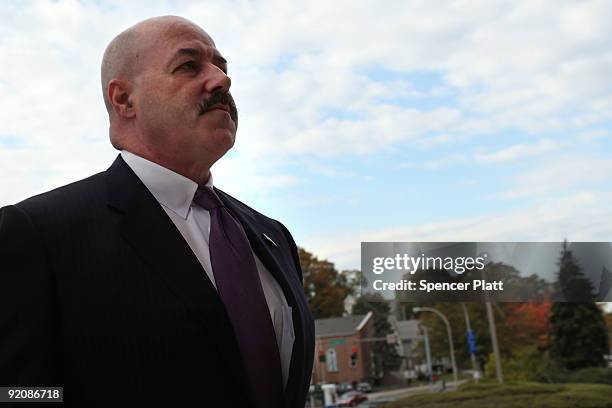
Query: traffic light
x=321 y=356
x=353 y=360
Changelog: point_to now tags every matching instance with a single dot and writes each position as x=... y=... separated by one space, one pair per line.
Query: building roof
x=341 y=326
x=408 y=329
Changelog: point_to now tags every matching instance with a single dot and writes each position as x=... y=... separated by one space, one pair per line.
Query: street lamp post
x=427 y=355
x=450 y=335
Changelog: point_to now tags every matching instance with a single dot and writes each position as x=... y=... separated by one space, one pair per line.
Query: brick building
x=342 y=355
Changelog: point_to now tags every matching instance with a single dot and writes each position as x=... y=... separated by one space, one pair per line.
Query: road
x=392 y=395
x=403 y=392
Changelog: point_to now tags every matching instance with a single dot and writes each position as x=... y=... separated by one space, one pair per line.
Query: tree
x=530 y=323
x=578 y=332
x=520 y=327
x=385 y=355
x=324 y=287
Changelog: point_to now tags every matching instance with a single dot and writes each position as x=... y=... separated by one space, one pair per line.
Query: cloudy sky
x=359 y=121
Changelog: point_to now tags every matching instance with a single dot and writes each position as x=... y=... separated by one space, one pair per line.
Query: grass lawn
x=514 y=395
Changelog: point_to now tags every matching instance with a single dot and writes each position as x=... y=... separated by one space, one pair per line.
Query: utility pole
x=493 y=333
x=493 y=330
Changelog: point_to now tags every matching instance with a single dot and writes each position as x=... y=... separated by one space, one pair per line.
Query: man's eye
x=189 y=65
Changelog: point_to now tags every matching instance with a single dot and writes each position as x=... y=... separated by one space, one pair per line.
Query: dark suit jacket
x=100 y=294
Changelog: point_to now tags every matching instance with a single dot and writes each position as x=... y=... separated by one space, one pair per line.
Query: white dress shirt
x=174 y=193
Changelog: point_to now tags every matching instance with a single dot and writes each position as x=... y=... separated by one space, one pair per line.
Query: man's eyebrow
x=218 y=59
x=195 y=53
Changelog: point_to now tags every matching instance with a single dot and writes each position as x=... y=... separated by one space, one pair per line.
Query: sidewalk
x=403 y=392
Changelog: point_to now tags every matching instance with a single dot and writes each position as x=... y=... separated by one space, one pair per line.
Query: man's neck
x=197 y=173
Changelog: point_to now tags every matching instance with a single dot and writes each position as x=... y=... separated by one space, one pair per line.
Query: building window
x=332 y=362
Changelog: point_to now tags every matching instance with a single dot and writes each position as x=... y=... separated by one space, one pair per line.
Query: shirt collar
x=172 y=190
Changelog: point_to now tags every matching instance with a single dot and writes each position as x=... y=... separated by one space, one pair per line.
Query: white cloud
x=243 y=176
x=519 y=151
x=568 y=217
x=532 y=66
x=445 y=161
x=591 y=135
x=564 y=173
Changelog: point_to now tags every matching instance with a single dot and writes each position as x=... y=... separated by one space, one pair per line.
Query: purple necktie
x=240 y=290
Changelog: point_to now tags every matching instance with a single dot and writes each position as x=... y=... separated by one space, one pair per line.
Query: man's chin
x=224 y=139
x=219 y=119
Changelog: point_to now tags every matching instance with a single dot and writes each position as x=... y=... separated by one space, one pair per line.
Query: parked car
x=344 y=387
x=351 y=399
x=364 y=387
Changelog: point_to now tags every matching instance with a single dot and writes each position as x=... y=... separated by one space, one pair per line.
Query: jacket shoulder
x=68 y=198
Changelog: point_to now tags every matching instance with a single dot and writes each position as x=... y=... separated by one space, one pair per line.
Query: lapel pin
x=269 y=239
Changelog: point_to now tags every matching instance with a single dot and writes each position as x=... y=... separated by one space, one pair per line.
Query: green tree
x=385 y=355
x=324 y=287
x=578 y=335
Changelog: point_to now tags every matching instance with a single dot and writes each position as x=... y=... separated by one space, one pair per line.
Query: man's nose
x=216 y=79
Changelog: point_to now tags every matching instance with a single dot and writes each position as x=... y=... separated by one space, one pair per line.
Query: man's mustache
x=219 y=97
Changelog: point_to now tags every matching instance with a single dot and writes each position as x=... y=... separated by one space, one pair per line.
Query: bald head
x=123 y=55
x=166 y=89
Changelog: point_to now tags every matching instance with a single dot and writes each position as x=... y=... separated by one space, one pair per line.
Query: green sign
x=336 y=342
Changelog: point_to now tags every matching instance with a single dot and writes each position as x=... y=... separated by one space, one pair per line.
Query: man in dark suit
x=145 y=284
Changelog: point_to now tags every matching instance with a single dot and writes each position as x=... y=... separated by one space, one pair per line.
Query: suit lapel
x=153 y=236
x=266 y=249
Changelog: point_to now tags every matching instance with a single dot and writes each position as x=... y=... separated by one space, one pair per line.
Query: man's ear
x=120 y=97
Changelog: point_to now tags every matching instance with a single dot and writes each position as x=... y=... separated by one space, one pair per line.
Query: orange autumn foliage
x=529 y=322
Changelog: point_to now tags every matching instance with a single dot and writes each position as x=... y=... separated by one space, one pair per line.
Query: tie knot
x=206 y=198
